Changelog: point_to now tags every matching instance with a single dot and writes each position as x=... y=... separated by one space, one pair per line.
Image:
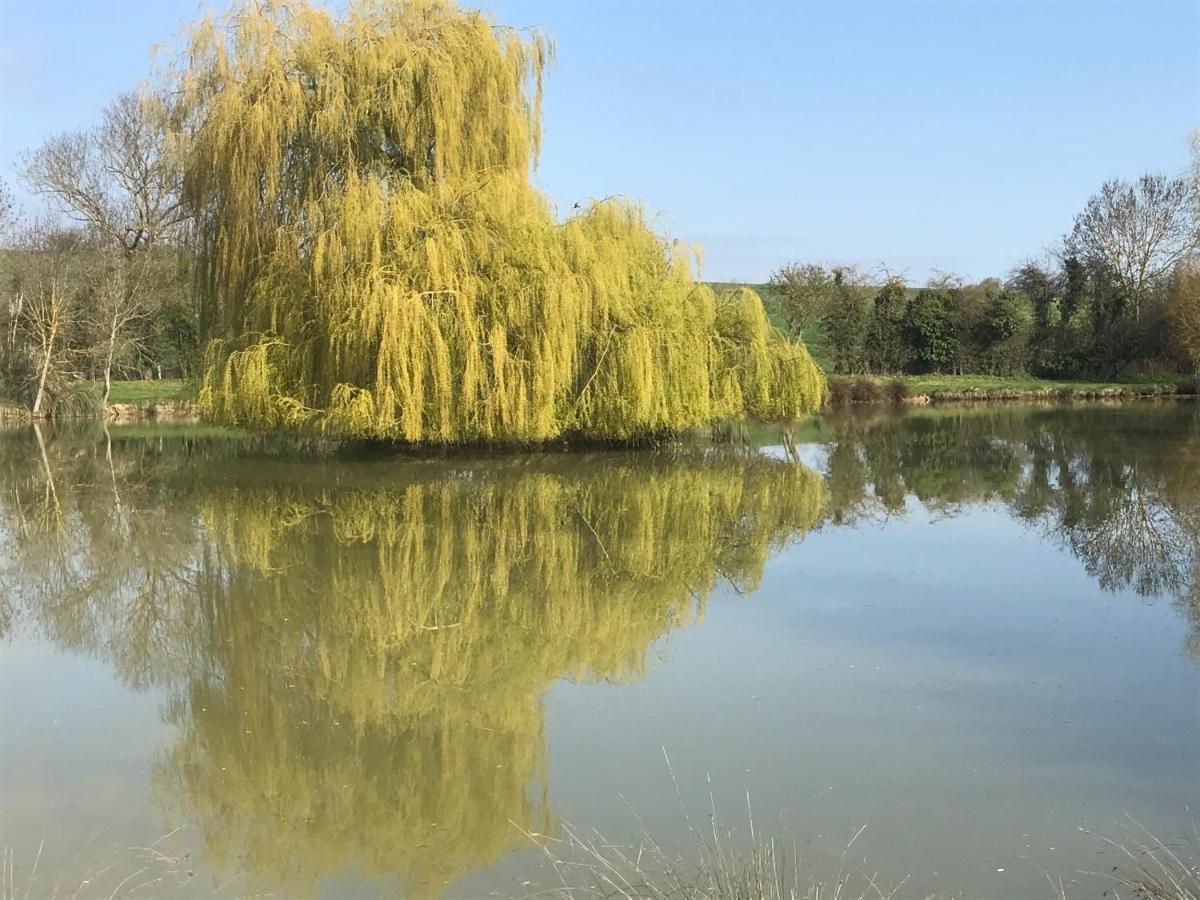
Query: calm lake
x=974 y=631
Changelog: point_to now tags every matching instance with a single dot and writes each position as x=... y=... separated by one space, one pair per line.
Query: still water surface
x=976 y=632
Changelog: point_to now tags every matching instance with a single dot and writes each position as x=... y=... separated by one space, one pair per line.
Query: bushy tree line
x=1121 y=295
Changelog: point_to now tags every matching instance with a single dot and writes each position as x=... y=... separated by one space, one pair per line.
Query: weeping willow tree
x=377 y=263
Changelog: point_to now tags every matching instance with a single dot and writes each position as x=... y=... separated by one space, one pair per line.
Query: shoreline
x=1013 y=395
x=925 y=390
x=175 y=412
x=187 y=412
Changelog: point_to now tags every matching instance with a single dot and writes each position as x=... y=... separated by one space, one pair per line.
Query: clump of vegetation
x=589 y=865
x=375 y=261
x=866 y=390
x=840 y=392
x=1155 y=870
x=899 y=390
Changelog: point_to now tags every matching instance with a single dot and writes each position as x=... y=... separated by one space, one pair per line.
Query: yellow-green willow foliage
x=378 y=264
x=369 y=693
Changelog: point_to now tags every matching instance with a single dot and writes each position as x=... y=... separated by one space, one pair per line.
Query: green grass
x=952 y=386
x=148 y=393
x=933 y=384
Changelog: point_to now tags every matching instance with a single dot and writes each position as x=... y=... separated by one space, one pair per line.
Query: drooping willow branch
x=347 y=170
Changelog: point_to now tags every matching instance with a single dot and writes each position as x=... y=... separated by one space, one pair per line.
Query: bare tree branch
x=116 y=179
x=1141 y=231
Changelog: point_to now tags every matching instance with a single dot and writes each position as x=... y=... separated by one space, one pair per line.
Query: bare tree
x=8 y=212
x=117 y=179
x=46 y=319
x=1141 y=231
x=120 y=303
x=42 y=314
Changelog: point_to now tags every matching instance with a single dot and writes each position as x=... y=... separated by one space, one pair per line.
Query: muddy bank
x=864 y=391
x=177 y=412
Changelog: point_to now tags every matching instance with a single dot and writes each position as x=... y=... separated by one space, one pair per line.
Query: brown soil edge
x=177 y=412
x=1038 y=395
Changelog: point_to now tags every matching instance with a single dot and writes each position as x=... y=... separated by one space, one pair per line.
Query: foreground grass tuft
x=590 y=866
x=1156 y=870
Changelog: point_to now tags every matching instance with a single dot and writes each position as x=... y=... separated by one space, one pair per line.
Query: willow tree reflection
x=357 y=658
x=356 y=651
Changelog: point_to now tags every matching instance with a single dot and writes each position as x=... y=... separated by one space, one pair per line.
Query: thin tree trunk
x=51 y=335
x=37 y=400
x=108 y=361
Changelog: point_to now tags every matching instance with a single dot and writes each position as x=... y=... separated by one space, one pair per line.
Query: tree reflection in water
x=1119 y=487
x=356 y=651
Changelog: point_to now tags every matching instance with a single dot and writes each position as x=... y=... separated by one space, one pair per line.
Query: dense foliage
x=376 y=262
x=1119 y=297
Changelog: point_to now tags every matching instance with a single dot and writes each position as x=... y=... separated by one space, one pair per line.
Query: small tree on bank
x=848 y=318
x=44 y=320
x=120 y=302
x=886 y=349
x=806 y=291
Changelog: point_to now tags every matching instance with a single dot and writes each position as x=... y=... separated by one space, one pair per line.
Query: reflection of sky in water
x=951 y=677
x=962 y=709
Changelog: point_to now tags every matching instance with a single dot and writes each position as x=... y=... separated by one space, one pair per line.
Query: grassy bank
x=128 y=398
x=946 y=388
x=150 y=393
x=723 y=867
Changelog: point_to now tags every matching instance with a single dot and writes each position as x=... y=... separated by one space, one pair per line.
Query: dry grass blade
x=1154 y=869
x=119 y=873
x=590 y=866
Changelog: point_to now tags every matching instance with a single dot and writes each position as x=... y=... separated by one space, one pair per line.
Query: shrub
x=929 y=328
x=839 y=392
x=1189 y=387
x=866 y=390
x=898 y=390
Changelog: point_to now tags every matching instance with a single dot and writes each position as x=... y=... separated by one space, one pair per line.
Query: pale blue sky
x=953 y=134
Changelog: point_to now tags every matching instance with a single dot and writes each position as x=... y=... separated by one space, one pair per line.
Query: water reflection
x=357 y=653
x=1118 y=487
